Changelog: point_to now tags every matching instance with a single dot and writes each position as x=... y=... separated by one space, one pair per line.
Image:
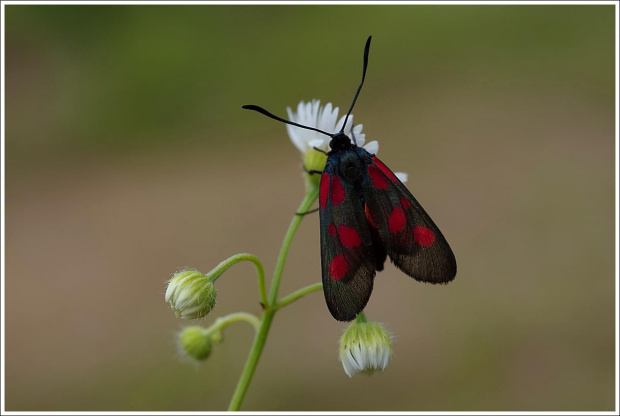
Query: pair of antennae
x=359 y=89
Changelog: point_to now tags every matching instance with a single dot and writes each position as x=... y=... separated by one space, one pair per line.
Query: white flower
x=365 y=347
x=312 y=114
x=323 y=118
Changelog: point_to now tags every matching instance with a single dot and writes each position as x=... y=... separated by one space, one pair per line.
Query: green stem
x=270 y=309
x=277 y=274
x=224 y=321
x=226 y=264
x=252 y=361
x=361 y=317
x=286 y=300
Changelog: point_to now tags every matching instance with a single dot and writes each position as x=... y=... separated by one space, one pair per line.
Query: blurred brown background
x=128 y=156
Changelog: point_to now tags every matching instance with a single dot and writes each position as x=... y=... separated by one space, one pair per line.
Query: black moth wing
x=409 y=236
x=347 y=256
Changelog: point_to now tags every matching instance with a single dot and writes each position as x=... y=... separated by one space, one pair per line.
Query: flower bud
x=364 y=348
x=314 y=160
x=191 y=294
x=195 y=342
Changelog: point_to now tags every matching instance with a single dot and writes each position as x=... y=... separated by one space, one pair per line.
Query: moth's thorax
x=340 y=142
x=350 y=166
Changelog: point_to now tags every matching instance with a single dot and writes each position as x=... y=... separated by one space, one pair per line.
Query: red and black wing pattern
x=347 y=255
x=409 y=236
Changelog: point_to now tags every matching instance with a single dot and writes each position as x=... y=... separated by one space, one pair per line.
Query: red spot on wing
x=338 y=193
x=378 y=179
x=349 y=237
x=405 y=203
x=331 y=229
x=423 y=236
x=397 y=220
x=338 y=267
x=386 y=171
x=323 y=190
x=369 y=217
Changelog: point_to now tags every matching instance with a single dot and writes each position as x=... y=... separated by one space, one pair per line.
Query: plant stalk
x=270 y=308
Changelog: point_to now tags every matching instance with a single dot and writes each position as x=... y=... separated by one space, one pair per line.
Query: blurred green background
x=128 y=156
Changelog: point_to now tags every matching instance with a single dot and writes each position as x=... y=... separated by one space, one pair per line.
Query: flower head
x=365 y=347
x=312 y=114
x=191 y=294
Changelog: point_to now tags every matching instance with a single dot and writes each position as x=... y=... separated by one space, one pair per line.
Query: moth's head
x=340 y=141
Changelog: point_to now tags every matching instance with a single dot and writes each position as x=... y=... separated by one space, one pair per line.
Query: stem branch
x=226 y=264
x=288 y=299
x=224 y=321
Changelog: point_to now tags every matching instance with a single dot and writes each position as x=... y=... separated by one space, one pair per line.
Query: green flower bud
x=314 y=160
x=195 y=342
x=365 y=347
x=191 y=294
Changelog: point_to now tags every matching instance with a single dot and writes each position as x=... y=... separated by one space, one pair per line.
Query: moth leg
x=310 y=211
x=321 y=150
x=312 y=171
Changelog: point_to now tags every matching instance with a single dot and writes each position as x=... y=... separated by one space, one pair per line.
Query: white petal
x=402 y=176
x=301 y=111
x=314 y=116
x=297 y=140
x=327 y=119
x=355 y=130
x=349 y=125
x=360 y=137
x=335 y=119
x=316 y=143
x=339 y=123
x=324 y=118
x=372 y=147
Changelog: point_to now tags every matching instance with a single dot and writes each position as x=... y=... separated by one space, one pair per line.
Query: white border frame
x=3 y=201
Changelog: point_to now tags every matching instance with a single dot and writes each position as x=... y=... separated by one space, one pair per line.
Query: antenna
x=366 y=50
x=268 y=114
x=332 y=135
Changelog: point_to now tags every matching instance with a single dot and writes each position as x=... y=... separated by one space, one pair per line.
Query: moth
x=367 y=214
